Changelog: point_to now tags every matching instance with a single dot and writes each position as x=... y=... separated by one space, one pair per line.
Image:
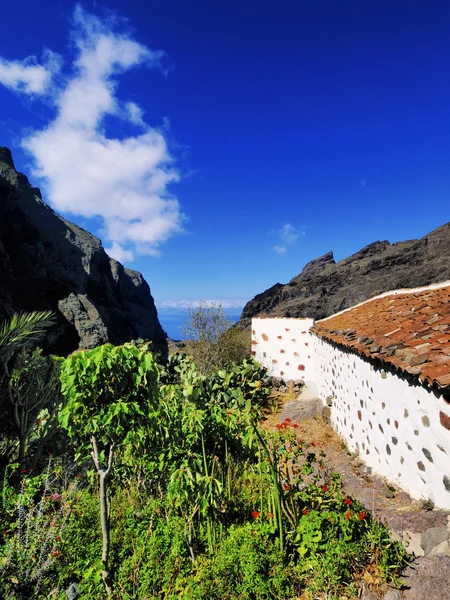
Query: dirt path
x=429 y=577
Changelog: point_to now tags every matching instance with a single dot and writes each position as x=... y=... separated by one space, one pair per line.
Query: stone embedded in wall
x=394 y=440
x=301 y=367
x=359 y=415
x=446 y=482
x=282 y=351
x=406 y=413
x=445 y=420
x=427 y=453
x=265 y=337
x=425 y=421
x=421 y=465
x=396 y=424
x=280 y=337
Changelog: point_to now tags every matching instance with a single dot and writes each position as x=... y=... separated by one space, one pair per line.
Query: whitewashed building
x=383 y=367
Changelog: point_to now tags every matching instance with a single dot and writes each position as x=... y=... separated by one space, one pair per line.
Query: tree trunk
x=104 y=512
x=104 y=516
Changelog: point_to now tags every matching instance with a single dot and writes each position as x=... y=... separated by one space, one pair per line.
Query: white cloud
x=225 y=302
x=27 y=76
x=124 y=181
x=287 y=235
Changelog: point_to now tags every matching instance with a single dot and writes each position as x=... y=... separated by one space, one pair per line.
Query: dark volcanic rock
x=47 y=262
x=325 y=287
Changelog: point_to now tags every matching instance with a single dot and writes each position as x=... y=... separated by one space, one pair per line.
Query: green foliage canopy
x=109 y=392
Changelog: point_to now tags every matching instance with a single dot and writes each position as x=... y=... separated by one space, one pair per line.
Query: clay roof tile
x=408 y=330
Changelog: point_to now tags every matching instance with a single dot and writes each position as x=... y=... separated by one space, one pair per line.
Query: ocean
x=173 y=319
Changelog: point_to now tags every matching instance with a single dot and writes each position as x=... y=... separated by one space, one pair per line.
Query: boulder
x=302 y=409
x=433 y=537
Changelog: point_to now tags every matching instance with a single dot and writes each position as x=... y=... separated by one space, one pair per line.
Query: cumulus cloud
x=287 y=235
x=124 y=181
x=225 y=302
x=29 y=77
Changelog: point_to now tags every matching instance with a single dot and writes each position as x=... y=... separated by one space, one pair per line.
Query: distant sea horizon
x=173 y=319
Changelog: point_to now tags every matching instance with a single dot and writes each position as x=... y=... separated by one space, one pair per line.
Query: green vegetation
x=161 y=483
x=213 y=342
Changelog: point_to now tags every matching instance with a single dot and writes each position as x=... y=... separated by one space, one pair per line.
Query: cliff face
x=47 y=262
x=325 y=287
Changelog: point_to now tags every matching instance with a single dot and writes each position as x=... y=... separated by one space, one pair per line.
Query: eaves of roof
x=409 y=330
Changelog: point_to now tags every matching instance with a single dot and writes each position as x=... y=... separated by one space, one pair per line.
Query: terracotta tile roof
x=410 y=331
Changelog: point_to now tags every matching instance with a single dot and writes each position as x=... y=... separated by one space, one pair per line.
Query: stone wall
x=398 y=427
x=283 y=346
x=395 y=424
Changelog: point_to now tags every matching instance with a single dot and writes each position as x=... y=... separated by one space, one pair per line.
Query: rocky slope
x=325 y=287
x=47 y=262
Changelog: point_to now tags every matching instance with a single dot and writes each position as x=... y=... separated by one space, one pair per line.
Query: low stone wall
x=394 y=424
x=283 y=346
x=397 y=426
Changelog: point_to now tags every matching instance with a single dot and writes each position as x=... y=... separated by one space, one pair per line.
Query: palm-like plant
x=28 y=381
x=23 y=331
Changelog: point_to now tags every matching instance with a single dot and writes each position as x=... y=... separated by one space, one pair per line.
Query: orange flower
x=362 y=515
x=324 y=488
x=287 y=487
x=348 y=514
x=256 y=514
x=305 y=511
x=270 y=515
x=348 y=501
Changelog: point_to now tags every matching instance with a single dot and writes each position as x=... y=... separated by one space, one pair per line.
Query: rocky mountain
x=325 y=287
x=47 y=262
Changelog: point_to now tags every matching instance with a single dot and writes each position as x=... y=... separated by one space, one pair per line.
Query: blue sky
x=219 y=146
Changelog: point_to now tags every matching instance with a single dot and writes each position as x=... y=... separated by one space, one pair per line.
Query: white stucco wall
x=283 y=346
x=393 y=425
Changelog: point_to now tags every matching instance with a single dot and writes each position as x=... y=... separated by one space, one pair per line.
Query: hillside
x=47 y=262
x=325 y=287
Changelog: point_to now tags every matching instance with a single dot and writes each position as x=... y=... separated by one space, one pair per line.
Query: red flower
x=294 y=425
x=287 y=487
x=348 y=514
x=23 y=471
x=305 y=511
x=256 y=514
x=362 y=515
x=324 y=488
x=288 y=420
x=278 y=426
x=348 y=501
x=270 y=515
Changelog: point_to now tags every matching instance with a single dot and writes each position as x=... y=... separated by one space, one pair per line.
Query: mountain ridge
x=324 y=286
x=49 y=263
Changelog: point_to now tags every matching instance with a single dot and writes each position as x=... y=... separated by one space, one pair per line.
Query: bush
x=212 y=340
